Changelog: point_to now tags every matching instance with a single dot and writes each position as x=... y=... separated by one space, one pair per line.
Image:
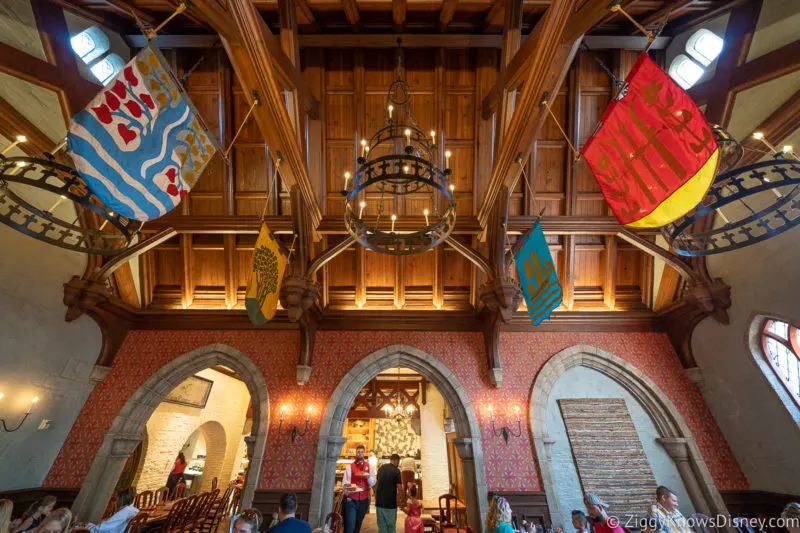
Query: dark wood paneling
x=529 y=506
x=756 y=503
x=267 y=502
x=23 y=498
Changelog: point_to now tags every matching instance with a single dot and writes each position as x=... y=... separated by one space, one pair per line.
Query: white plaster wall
x=581 y=382
x=171 y=425
x=763 y=432
x=40 y=354
x=435 y=477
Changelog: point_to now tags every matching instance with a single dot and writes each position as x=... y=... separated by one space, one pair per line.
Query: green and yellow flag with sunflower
x=263 y=291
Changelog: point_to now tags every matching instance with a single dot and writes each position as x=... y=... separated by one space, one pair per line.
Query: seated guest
x=287 y=523
x=498 y=520
x=6 y=508
x=119 y=520
x=56 y=522
x=34 y=514
x=596 y=509
x=580 y=522
x=248 y=521
x=664 y=515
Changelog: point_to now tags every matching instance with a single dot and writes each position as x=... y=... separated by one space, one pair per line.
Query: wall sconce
x=505 y=431
x=294 y=432
x=5 y=427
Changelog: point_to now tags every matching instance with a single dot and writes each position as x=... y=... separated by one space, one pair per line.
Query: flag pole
x=649 y=35
x=150 y=34
x=546 y=105
x=256 y=101
x=278 y=160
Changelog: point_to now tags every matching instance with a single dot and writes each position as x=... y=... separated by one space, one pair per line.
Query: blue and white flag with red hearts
x=139 y=144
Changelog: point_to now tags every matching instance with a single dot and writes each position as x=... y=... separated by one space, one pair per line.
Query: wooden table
x=157 y=514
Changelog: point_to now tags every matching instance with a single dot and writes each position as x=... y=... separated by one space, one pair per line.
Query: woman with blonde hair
x=56 y=522
x=498 y=520
x=6 y=507
x=35 y=513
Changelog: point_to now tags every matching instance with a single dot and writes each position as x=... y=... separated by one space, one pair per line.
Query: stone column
x=678 y=450
x=97 y=495
x=474 y=496
x=544 y=451
x=328 y=452
x=254 y=444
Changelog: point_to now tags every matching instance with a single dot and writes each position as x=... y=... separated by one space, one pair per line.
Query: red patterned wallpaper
x=509 y=467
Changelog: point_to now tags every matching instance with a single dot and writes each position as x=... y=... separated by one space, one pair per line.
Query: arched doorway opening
x=127 y=429
x=467 y=439
x=673 y=433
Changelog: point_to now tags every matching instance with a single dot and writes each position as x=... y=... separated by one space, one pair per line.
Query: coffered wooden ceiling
x=207 y=265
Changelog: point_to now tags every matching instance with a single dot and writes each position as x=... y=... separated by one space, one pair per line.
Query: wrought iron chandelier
x=396 y=410
x=767 y=197
x=30 y=191
x=399 y=160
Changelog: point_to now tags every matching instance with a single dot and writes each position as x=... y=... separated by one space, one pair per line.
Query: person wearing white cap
x=596 y=509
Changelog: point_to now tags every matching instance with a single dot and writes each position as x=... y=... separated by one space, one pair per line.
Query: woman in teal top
x=499 y=518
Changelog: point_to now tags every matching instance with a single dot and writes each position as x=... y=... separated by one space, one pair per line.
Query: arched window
x=685 y=71
x=107 y=68
x=90 y=44
x=780 y=342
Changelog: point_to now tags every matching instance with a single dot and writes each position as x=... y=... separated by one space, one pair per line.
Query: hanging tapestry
x=654 y=155
x=609 y=455
x=537 y=275
x=264 y=288
x=139 y=144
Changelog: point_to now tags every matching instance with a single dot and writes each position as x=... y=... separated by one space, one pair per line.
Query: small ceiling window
x=685 y=71
x=90 y=44
x=107 y=68
x=780 y=342
x=704 y=46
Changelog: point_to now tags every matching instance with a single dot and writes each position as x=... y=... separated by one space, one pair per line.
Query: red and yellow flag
x=654 y=154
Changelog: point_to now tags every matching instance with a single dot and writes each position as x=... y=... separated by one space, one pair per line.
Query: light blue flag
x=139 y=145
x=537 y=275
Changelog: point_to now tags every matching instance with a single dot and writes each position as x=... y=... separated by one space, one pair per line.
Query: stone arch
x=126 y=430
x=140 y=467
x=216 y=450
x=674 y=434
x=468 y=441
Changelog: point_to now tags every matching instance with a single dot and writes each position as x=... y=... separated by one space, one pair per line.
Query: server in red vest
x=357 y=481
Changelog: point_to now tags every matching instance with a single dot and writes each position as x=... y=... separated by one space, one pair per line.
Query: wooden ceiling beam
x=547 y=70
x=778 y=127
x=493 y=20
x=332 y=224
x=590 y=14
x=251 y=58
x=446 y=14
x=703 y=17
x=399 y=9
x=664 y=14
x=512 y=37
x=305 y=9
x=738 y=36
x=350 y=8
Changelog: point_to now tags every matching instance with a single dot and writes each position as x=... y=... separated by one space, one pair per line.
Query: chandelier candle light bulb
x=447 y=155
x=426 y=213
x=362 y=205
x=363 y=147
x=346 y=179
x=433 y=137
x=60 y=199
x=19 y=139
x=390 y=108
x=33 y=402
x=394 y=217
x=760 y=136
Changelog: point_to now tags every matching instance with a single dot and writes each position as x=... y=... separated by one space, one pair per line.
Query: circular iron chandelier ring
x=395 y=131
x=375 y=171
x=65 y=183
x=737 y=185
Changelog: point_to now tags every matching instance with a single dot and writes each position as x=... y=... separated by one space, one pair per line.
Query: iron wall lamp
x=505 y=431
x=24 y=418
x=294 y=432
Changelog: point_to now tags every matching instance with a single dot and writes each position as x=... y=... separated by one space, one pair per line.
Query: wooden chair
x=137 y=523
x=162 y=495
x=214 y=483
x=217 y=511
x=176 y=517
x=145 y=500
x=333 y=522
x=178 y=492
x=203 y=509
x=189 y=514
x=447 y=519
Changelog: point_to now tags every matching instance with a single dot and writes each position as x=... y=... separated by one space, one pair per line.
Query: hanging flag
x=139 y=144
x=537 y=275
x=654 y=155
x=264 y=288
